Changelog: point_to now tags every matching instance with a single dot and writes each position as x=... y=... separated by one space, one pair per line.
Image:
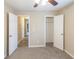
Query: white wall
x=6 y=10
x=69 y=28
x=49 y=29
x=36 y=26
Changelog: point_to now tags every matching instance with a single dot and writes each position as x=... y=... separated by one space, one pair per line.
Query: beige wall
x=25 y=27
x=36 y=26
x=49 y=29
x=19 y=29
x=69 y=28
x=6 y=10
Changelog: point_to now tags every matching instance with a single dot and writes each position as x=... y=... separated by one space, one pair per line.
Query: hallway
x=23 y=43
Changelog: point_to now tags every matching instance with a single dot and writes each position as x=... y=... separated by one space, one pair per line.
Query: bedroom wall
x=37 y=37
x=69 y=28
x=19 y=29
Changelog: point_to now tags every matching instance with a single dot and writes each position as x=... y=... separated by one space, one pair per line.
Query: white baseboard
x=69 y=53
x=37 y=46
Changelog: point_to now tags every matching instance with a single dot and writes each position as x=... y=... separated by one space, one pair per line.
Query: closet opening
x=49 y=31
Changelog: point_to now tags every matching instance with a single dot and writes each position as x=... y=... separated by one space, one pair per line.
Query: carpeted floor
x=39 y=53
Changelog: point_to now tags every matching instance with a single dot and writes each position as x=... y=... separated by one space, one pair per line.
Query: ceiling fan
x=53 y=2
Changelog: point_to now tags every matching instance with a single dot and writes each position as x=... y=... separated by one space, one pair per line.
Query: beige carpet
x=39 y=53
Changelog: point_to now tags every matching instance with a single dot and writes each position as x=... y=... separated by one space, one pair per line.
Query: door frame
x=45 y=27
x=29 y=28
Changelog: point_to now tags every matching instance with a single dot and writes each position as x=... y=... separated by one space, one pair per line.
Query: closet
x=49 y=31
x=54 y=31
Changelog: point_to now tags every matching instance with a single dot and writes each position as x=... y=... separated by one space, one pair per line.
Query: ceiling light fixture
x=36 y=2
x=43 y=2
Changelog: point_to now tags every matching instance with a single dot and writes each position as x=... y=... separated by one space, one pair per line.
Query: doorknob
x=10 y=35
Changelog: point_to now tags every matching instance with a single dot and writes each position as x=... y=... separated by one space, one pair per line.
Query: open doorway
x=49 y=31
x=23 y=31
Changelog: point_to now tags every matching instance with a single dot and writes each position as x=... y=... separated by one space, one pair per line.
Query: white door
x=12 y=33
x=58 y=31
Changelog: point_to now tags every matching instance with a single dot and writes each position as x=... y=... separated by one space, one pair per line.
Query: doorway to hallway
x=23 y=31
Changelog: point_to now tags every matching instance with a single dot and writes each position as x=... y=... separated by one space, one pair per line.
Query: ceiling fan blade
x=35 y=5
x=53 y=2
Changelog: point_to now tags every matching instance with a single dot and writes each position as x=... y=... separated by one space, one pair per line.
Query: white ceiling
x=27 y=5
